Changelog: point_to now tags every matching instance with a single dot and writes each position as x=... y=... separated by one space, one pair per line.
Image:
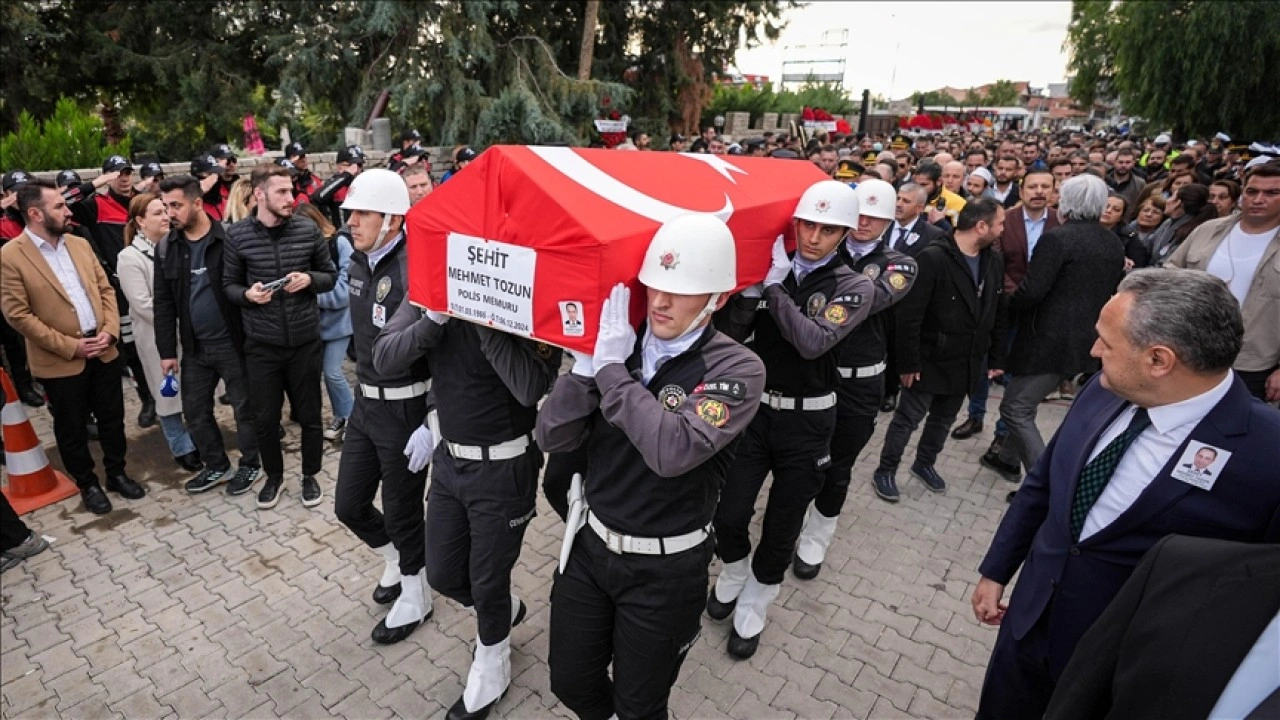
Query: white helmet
x=691 y=255
x=829 y=202
x=876 y=198
x=379 y=191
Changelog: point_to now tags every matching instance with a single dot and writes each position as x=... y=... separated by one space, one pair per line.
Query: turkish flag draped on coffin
x=530 y=240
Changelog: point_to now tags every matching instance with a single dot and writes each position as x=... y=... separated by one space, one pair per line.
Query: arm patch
x=850 y=300
x=735 y=390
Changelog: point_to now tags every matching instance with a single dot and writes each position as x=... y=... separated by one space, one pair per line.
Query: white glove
x=781 y=266
x=754 y=291
x=582 y=366
x=419 y=448
x=616 y=339
x=437 y=317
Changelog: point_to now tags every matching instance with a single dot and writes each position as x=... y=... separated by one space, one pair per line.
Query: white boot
x=391 y=571
x=414 y=603
x=815 y=536
x=518 y=610
x=753 y=605
x=733 y=576
x=490 y=675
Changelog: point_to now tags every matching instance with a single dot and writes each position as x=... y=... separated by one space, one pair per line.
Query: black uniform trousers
x=913 y=405
x=201 y=371
x=98 y=389
x=275 y=371
x=373 y=455
x=641 y=613
x=796 y=446
x=13 y=532
x=15 y=351
x=477 y=512
x=558 y=477
x=857 y=406
x=1019 y=680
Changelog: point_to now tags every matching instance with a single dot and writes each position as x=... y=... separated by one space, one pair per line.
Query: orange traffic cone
x=32 y=482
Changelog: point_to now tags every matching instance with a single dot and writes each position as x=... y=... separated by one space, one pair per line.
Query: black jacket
x=1075 y=270
x=172 y=292
x=290 y=319
x=926 y=234
x=946 y=324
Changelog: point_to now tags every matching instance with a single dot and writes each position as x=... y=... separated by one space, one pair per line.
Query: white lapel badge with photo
x=1200 y=465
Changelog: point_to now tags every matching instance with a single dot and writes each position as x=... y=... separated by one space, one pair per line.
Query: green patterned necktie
x=1096 y=475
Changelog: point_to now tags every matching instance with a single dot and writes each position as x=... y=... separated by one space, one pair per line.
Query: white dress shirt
x=59 y=260
x=1149 y=453
x=1035 y=228
x=1257 y=677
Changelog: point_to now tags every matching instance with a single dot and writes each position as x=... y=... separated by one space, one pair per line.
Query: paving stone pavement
x=204 y=606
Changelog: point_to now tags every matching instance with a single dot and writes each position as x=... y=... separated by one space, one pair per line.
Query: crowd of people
x=1143 y=277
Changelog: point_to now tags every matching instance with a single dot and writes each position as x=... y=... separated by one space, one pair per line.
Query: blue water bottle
x=169 y=388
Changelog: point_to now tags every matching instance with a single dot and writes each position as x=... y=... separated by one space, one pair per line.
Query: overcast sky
x=896 y=48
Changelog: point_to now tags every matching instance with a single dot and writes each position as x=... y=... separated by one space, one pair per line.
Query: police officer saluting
x=390 y=406
x=861 y=368
x=330 y=196
x=812 y=303
x=658 y=418
x=484 y=488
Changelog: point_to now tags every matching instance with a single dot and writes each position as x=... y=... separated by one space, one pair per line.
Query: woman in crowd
x=240 y=203
x=1225 y=195
x=1135 y=253
x=148 y=224
x=1150 y=215
x=335 y=324
x=1178 y=180
x=1184 y=212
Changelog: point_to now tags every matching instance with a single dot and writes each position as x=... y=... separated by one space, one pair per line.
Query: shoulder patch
x=544 y=350
x=815 y=303
x=730 y=389
x=872 y=271
x=905 y=268
x=712 y=411
x=671 y=398
x=836 y=314
x=897 y=280
x=850 y=300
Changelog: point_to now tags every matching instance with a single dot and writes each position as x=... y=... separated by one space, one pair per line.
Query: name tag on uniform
x=1200 y=465
x=379 y=314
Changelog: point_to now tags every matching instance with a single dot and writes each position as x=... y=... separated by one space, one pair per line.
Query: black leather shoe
x=147 y=417
x=190 y=462
x=29 y=396
x=459 y=710
x=717 y=610
x=386 y=595
x=967 y=429
x=997 y=444
x=384 y=635
x=803 y=570
x=742 y=648
x=95 y=501
x=1008 y=471
x=886 y=486
x=890 y=403
x=124 y=486
x=930 y=478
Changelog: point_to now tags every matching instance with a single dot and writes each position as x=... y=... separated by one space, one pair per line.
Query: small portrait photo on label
x=571 y=318
x=1200 y=464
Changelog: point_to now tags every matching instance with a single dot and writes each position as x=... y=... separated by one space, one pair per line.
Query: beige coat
x=37 y=306
x=136 y=269
x=1261 y=308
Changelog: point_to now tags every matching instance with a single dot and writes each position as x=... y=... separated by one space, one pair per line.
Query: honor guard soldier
x=390 y=406
x=861 y=368
x=330 y=196
x=484 y=488
x=659 y=419
x=809 y=305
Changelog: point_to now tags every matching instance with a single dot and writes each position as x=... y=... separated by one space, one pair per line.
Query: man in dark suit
x=1023 y=228
x=1187 y=637
x=910 y=233
x=1104 y=491
x=951 y=318
x=1075 y=270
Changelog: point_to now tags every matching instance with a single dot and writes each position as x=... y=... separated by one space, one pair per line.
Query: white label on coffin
x=491 y=282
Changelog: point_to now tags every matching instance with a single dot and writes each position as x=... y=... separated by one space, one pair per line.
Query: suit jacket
x=1012 y=244
x=926 y=234
x=946 y=324
x=1075 y=272
x=37 y=306
x=1074 y=581
x=1172 y=639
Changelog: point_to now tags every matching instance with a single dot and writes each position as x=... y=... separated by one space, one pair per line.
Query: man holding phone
x=275 y=266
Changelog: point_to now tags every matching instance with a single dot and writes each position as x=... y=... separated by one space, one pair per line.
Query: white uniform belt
x=373 y=392
x=866 y=371
x=782 y=402
x=502 y=451
x=618 y=543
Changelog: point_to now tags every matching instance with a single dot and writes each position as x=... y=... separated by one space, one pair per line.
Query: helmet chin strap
x=706 y=312
x=382 y=234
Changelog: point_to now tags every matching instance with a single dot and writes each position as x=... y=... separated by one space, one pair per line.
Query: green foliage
x=1198 y=66
x=933 y=97
x=71 y=138
x=746 y=98
x=1002 y=93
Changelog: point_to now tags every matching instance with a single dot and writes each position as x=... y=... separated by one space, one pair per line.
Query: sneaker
x=270 y=493
x=33 y=545
x=311 y=494
x=930 y=478
x=208 y=479
x=336 y=430
x=243 y=480
x=885 y=486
